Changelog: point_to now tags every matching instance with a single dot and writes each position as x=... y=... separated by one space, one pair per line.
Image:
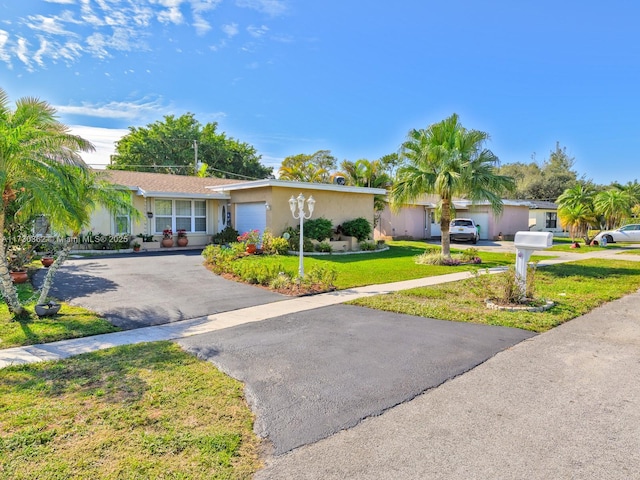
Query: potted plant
x=250 y=240
x=47 y=309
x=167 y=237
x=135 y=246
x=183 y=241
x=17 y=258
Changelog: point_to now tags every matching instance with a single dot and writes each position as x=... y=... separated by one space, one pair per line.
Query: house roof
x=269 y=182
x=543 y=204
x=166 y=185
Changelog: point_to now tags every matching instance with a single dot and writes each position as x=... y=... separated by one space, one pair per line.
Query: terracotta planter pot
x=167 y=242
x=47 y=261
x=251 y=248
x=19 y=277
x=183 y=241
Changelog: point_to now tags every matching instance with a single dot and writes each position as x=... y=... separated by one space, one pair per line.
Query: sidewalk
x=196 y=326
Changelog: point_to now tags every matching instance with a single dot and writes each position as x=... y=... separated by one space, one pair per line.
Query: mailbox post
x=526 y=243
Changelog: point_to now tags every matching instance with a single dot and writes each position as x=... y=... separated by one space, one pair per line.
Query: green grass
x=143 y=411
x=576 y=288
x=29 y=329
x=394 y=265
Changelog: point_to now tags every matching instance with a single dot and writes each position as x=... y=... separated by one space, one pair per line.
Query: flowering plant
x=167 y=233
x=250 y=237
x=182 y=233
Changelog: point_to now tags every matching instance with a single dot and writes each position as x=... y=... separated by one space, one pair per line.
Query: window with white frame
x=122 y=223
x=189 y=215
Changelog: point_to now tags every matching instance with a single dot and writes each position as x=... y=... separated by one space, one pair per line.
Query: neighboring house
x=418 y=220
x=543 y=217
x=205 y=206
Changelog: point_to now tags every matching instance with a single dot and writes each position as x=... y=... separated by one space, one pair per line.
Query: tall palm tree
x=364 y=173
x=576 y=211
x=83 y=192
x=33 y=147
x=450 y=161
x=614 y=205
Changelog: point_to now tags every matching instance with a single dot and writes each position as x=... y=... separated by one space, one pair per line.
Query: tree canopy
x=172 y=145
x=546 y=181
x=315 y=168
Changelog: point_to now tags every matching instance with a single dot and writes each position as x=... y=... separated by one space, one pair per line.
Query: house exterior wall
x=338 y=207
x=538 y=221
x=514 y=218
x=409 y=222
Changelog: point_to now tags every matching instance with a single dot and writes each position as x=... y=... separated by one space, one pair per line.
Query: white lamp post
x=299 y=203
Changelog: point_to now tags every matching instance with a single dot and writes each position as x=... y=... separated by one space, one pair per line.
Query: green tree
x=546 y=181
x=34 y=146
x=613 y=205
x=576 y=210
x=364 y=173
x=450 y=161
x=84 y=191
x=172 y=145
x=314 y=168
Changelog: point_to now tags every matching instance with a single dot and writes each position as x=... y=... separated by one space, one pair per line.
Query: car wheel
x=609 y=239
x=475 y=240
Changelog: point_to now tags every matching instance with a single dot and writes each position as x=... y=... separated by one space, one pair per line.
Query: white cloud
x=257 y=31
x=134 y=111
x=62 y=2
x=50 y=25
x=230 y=29
x=4 y=55
x=270 y=7
x=22 y=51
x=103 y=139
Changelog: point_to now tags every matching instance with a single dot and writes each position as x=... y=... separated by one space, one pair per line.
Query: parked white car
x=628 y=233
x=463 y=229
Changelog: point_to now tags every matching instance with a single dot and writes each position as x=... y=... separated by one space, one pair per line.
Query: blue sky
x=353 y=77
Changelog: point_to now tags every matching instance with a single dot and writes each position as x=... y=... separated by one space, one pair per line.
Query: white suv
x=463 y=229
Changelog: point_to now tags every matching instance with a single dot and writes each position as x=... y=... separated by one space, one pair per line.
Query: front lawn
x=576 y=288
x=394 y=265
x=29 y=329
x=142 y=411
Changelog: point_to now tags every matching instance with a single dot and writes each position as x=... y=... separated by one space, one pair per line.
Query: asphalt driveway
x=311 y=374
x=134 y=291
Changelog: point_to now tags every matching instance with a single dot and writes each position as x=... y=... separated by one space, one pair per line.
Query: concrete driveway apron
x=134 y=291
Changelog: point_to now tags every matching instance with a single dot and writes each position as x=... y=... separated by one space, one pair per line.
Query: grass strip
x=576 y=288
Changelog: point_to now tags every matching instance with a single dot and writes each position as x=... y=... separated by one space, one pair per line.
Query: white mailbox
x=533 y=240
x=526 y=243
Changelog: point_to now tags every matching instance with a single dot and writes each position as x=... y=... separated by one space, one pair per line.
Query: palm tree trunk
x=445 y=220
x=9 y=291
x=48 y=280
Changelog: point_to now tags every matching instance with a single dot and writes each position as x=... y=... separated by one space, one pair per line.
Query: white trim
x=179 y=195
x=296 y=185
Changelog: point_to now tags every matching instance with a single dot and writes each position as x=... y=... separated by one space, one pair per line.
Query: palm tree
x=84 y=191
x=364 y=173
x=614 y=206
x=450 y=161
x=33 y=147
x=576 y=211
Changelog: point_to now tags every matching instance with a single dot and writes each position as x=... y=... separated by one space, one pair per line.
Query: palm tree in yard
x=450 y=161
x=576 y=210
x=614 y=205
x=33 y=148
x=83 y=192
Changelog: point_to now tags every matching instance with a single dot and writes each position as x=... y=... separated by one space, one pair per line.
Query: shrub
x=318 y=229
x=436 y=258
x=367 y=246
x=221 y=258
x=281 y=281
x=358 y=227
x=470 y=255
x=274 y=245
x=294 y=243
x=228 y=235
x=256 y=272
x=320 y=277
x=324 y=247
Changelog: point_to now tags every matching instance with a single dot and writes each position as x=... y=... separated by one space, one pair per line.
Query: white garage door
x=250 y=216
x=481 y=219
